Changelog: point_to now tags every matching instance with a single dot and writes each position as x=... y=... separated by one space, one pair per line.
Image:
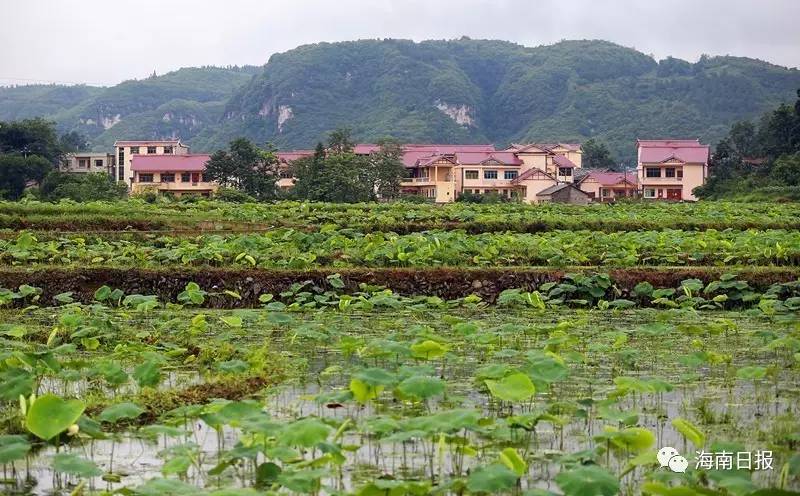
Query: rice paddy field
x=399 y=349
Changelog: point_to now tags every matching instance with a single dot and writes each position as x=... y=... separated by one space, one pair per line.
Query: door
x=674 y=193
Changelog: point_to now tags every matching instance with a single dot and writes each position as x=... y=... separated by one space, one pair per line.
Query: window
x=652 y=172
x=649 y=193
x=151 y=149
x=134 y=150
x=83 y=163
x=490 y=174
x=285 y=174
x=167 y=150
x=565 y=171
x=167 y=177
x=185 y=177
x=680 y=173
x=605 y=192
x=471 y=174
x=98 y=163
x=145 y=178
x=121 y=156
x=121 y=173
x=510 y=175
x=669 y=172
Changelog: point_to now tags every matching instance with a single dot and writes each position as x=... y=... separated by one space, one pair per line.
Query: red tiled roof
x=610 y=178
x=147 y=142
x=169 y=163
x=529 y=173
x=563 y=161
x=293 y=155
x=657 y=151
x=474 y=158
x=573 y=147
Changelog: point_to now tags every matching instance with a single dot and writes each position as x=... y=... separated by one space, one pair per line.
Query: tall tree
x=388 y=169
x=17 y=170
x=246 y=167
x=31 y=137
x=308 y=174
x=596 y=155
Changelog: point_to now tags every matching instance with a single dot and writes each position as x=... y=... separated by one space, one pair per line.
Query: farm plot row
x=396 y=217
x=771 y=290
x=401 y=401
x=293 y=249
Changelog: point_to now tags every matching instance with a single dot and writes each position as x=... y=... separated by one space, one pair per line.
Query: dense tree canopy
x=245 y=167
x=81 y=187
x=763 y=159
x=596 y=155
x=337 y=174
x=29 y=149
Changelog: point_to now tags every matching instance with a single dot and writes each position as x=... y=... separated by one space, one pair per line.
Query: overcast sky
x=108 y=41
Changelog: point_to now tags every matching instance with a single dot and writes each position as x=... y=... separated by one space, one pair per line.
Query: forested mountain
x=434 y=91
x=180 y=103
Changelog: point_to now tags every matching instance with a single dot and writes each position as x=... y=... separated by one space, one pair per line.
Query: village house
x=607 y=186
x=671 y=169
x=176 y=174
x=83 y=162
x=444 y=172
x=563 y=193
x=124 y=151
x=532 y=173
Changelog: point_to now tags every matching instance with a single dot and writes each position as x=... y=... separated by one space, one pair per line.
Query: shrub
x=233 y=196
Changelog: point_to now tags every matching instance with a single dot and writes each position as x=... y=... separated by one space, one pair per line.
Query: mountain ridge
x=456 y=91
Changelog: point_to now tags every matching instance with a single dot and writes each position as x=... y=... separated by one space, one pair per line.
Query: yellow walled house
x=606 y=186
x=444 y=172
x=124 y=151
x=670 y=169
x=176 y=174
x=557 y=159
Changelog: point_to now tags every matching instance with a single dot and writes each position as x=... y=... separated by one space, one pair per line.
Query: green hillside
x=180 y=103
x=569 y=91
x=434 y=91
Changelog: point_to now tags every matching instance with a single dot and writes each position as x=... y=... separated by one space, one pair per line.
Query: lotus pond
x=136 y=397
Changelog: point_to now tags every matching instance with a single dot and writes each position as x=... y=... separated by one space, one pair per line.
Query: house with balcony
x=175 y=174
x=444 y=172
x=84 y=162
x=606 y=186
x=124 y=151
x=670 y=169
x=559 y=160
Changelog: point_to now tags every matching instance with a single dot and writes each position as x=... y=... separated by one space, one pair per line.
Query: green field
x=390 y=349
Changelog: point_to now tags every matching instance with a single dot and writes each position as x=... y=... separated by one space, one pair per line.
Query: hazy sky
x=108 y=41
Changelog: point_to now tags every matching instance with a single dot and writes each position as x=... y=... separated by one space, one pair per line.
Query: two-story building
x=176 y=174
x=124 y=151
x=671 y=169
x=444 y=172
x=608 y=186
x=83 y=162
